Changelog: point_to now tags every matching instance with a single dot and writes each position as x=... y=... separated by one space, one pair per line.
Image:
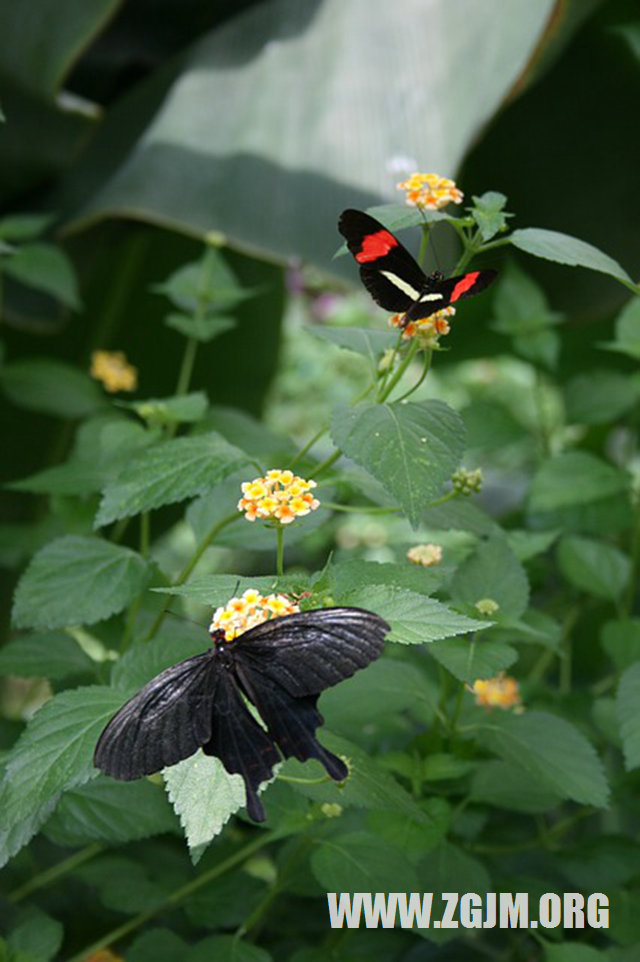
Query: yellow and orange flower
x=499 y=692
x=114 y=371
x=252 y=608
x=428 y=329
x=280 y=496
x=430 y=191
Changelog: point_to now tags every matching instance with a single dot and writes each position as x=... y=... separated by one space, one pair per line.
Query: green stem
x=457 y=708
x=280 y=551
x=188 y=568
x=144 y=534
x=319 y=468
x=400 y=370
x=428 y=354
x=362 y=508
x=177 y=896
x=449 y=496
x=301 y=453
x=186 y=368
x=627 y=606
x=55 y=872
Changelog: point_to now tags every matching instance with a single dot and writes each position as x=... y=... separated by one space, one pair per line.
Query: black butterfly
x=394 y=279
x=280 y=666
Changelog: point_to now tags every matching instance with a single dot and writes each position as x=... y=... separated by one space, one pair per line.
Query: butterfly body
x=281 y=666
x=394 y=279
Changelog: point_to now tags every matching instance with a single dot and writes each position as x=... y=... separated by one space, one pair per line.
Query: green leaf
x=183 y=409
x=204 y=286
x=600 y=569
x=51 y=387
x=204 y=796
x=489 y=214
x=202 y=329
x=575 y=477
x=361 y=340
x=412 y=449
x=628 y=699
x=227 y=948
x=502 y=785
x=52 y=655
x=550 y=749
x=564 y=249
x=106 y=810
x=468 y=660
x=58 y=743
x=528 y=544
x=627 y=333
x=158 y=945
x=124 y=884
x=342 y=578
x=76 y=581
x=214 y=590
x=574 y=952
x=361 y=862
x=411 y=837
x=621 y=641
x=142 y=662
x=168 y=472
x=446 y=868
x=36 y=935
x=19 y=227
x=599 y=397
x=492 y=571
x=414 y=619
x=45 y=268
x=387 y=686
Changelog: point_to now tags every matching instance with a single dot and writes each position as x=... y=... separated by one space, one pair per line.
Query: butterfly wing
x=309 y=651
x=388 y=271
x=241 y=744
x=168 y=720
x=446 y=292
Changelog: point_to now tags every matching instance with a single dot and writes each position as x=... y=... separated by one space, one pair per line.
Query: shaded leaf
x=564 y=249
x=36 y=935
x=478 y=658
x=412 y=449
x=621 y=641
x=362 y=862
x=75 y=581
x=550 y=749
x=502 y=785
x=168 y=472
x=627 y=700
x=52 y=655
x=492 y=571
x=45 y=268
x=52 y=387
x=370 y=343
x=600 y=569
x=599 y=397
x=575 y=477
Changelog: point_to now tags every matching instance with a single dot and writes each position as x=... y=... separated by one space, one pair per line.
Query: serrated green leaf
x=414 y=619
x=45 y=268
x=628 y=699
x=501 y=785
x=365 y=341
x=227 y=948
x=214 y=590
x=574 y=952
x=168 y=472
x=110 y=811
x=182 y=409
x=550 y=749
x=204 y=285
x=520 y=305
x=362 y=862
x=489 y=214
x=621 y=641
x=54 y=753
x=411 y=449
x=492 y=571
x=36 y=935
x=52 y=655
x=342 y=578
x=527 y=544
x=52 y=387
x=478 y=658
x=575 y=477
x=202 y=329
x=142 y=662
x=446 y=868
x=76 y=581
x=124 y=884
x=564 y=249
x=386 y=686
x=600 y=569
x=158 y=945
x=599 y=397
x=204 y=796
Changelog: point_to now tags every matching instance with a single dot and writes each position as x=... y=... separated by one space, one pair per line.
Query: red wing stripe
x=464 y=284
x=376 y=245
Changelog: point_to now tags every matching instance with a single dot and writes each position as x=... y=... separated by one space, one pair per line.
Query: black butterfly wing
x=446 y=292
x=168 y=720
x=388 y=271
x=291 y=722
x=309 y=651
x=241 y=744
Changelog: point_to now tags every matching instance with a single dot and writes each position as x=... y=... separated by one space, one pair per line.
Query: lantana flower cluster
x=428 y=329
x=250 y=609
x=114 y=371
x=280 y=496
x=426 y=555
x=499 y=692
x=430 y=191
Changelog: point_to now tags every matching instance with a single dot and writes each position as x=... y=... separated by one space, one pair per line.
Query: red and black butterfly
x=394 y=279
x=281 y=666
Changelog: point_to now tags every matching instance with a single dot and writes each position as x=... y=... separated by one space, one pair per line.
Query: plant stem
x=177 y=896
x=428 y=354
x=188 y=568
x=55 y=872
x=326 y=463
x=280 y=551
x=301 y=453
x=402 y=367
x=186 y=368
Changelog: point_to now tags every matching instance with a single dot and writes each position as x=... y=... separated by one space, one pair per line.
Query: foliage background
x=141 y=127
